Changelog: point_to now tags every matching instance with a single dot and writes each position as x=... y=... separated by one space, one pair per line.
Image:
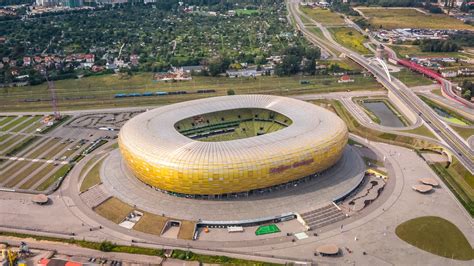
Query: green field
x=10 y=141
x=350 y=38
x=246 y=12
x=29 y=122
x=436 y=235
x=451 y=116
x=459 y=180
x=48 y=168
x=23 y=174
x=410 y=18
x=151 y=224
x=267 y=229
x=422 y=131
x=4 y=137
x=114 y=210
x=61 y=172
x=324 y=16
x=414 y=50
x=92 y=178
x=5 y=120
x=412 y=79
x=100 y=90
x=464 y=132
x=15 y=123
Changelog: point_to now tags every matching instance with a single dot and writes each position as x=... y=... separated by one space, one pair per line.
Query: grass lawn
x=43 y=148
x=61 y=172
x=350 y=38
x=186 y=230
x=93 y=177
x=9 y=143
x=437 y=92
x=54 y=151
x=422 y=131
x=246 y=12
x=459 y=180
x=38 y=176
x=355 y=127
x=436 y=235
x=6 y=120
x=457 y=121
x=179 y=254
x=114 y=210
x=23 y=174
x=324 y=16
x=411 y=79
x=151 y=224
x=101 y=90
x=414 y=50
x=15 y=123
x=3 y=137
x=13 y=170
x=450 y=115
x=410 y=18
x=463 y=131
x=27 y=123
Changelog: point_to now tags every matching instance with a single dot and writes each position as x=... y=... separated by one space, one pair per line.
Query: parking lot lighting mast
x=54 y=99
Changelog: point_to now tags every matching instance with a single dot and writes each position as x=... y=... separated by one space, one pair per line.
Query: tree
x=309 y=66
x=230 y=92
x=289 y=65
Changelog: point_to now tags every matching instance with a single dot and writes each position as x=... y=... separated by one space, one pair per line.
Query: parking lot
x=35 y=153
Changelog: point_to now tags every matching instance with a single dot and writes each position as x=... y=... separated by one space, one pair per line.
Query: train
x=161 y=93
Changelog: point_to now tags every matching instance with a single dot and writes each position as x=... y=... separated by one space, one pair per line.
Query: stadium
x=231 y=144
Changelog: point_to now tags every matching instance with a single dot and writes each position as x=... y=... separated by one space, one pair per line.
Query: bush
x=107 y=246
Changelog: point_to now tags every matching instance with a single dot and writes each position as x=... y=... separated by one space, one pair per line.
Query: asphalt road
x=458 y=146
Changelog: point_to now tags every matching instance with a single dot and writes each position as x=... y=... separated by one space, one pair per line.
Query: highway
x=458 y=145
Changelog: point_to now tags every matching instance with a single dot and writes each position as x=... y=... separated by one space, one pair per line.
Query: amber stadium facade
x=231 y=144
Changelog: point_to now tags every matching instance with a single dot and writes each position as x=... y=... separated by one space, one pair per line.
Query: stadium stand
x=323 y=216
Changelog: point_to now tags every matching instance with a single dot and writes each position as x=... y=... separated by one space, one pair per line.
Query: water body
x=384 y=113
x=448 y=117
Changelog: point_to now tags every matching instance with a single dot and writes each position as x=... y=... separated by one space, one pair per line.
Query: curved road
x=458 y=145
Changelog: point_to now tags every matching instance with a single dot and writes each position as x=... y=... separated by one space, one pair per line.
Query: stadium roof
x=153 y=134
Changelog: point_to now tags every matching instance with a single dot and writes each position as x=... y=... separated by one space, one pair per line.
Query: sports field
x=324 y=16
x=267 y=229
x=98 y=91
x=392 y=18
x=436 y=235
x=350 y=38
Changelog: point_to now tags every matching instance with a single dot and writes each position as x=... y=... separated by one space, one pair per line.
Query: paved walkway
x=340 y=179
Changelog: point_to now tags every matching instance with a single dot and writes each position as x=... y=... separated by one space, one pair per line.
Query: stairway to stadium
x=323 y=216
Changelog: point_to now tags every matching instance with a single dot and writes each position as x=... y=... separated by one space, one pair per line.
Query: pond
x=448 y=117
x=384 y=113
